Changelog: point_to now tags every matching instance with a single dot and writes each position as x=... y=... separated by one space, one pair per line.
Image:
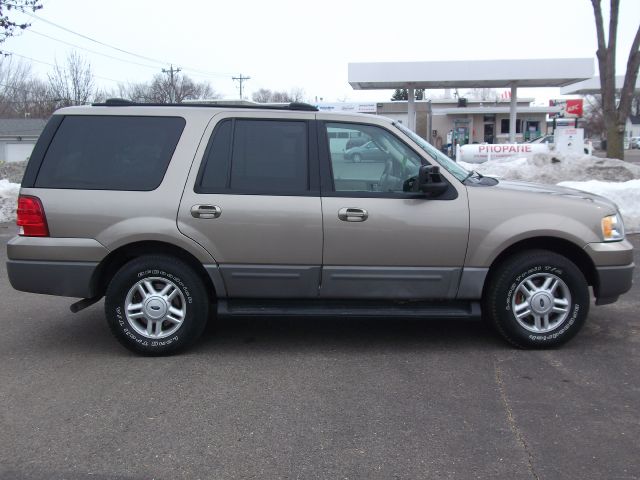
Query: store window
x=504 y=126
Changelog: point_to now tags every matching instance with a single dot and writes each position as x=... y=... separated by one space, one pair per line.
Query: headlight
x=612 y=228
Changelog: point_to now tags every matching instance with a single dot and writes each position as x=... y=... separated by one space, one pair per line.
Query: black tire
x=190 y=300
x=505 y=293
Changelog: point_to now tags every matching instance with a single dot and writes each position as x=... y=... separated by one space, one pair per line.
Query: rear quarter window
x=110 y=152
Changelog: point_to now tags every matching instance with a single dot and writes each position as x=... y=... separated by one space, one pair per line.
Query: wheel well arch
x=108 y=267
x=553 y=244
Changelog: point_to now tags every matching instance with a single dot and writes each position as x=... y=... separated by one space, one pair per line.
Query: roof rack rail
x=121 y=102
x=114 y=102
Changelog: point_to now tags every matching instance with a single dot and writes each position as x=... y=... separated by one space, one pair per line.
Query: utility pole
x=241 y=79
x=171 y=72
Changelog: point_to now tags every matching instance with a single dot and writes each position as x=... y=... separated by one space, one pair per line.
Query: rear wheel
x=537 y=299
x=156 y=305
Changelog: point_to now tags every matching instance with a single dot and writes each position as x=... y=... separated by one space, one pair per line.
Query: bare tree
x=162 y=90
x=34 y=100
x=12 y=76
x=72 y=83
x=21 y=94
x=7 y=25
x=280 y=97
x=615 y=117
x=635 y=105
x=594 y=117
x=484 y=94
x=296 y=94
x=264 y=95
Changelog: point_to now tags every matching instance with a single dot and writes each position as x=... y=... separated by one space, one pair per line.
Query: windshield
x=449 y=165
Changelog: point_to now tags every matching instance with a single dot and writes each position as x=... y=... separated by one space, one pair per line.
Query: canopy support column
x=411 y=110
x=512 y=113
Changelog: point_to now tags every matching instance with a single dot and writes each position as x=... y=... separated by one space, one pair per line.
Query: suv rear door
x=253 y=203
x=380 y=241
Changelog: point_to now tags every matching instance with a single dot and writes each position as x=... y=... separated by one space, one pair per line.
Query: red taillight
x=31 y=218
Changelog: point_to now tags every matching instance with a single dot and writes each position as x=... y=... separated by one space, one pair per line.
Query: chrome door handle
x=351 y=214
x=206 y=211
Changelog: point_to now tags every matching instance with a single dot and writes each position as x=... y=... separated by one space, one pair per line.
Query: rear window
x=110 y=152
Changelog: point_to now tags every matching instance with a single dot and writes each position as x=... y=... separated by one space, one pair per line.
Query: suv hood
x=554 y=190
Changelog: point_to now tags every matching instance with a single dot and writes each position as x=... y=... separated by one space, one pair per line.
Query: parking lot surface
x=315 y=398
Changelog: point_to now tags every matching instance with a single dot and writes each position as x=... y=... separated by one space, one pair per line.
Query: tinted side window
x=215 y=173
x=110 y=152
x=267 y=157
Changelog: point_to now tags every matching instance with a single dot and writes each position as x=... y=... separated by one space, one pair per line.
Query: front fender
x=485 y=244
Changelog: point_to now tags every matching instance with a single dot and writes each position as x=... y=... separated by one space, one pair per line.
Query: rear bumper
x=68 y=279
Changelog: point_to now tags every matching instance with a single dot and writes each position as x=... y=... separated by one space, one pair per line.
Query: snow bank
x=625 y=194
x=8 y=200
x=555 y=168
x=614 y=179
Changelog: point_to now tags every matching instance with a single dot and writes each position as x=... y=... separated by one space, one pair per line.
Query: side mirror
x=430 y=182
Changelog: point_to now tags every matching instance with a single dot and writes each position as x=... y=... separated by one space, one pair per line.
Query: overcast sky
x=285 y=44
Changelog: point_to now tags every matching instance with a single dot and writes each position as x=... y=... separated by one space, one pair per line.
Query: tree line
x=72 y=82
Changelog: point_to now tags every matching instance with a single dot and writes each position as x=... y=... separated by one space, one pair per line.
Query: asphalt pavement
x=315 y=398
x=631 y=155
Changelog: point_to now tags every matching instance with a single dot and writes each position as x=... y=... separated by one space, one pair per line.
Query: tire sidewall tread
x=502 y=285
x=183 y=276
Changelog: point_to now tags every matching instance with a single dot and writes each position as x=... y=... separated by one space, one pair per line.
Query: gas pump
x=461 y=133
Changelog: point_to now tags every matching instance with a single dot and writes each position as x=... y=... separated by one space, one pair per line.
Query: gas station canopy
x=556 y=72
x=592 y=86
x=550 y=72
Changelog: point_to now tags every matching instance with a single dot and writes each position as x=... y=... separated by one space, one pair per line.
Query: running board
x=329 y=308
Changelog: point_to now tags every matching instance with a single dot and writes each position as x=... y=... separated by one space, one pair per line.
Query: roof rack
x=121 y=102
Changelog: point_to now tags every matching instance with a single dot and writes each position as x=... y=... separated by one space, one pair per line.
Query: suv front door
x=253 y=203
x=381 y=241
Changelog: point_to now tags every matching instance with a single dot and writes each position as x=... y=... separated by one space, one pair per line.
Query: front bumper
x=614 y=269
x=612 y=282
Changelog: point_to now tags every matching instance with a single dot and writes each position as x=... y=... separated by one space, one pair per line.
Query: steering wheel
x=384 y=181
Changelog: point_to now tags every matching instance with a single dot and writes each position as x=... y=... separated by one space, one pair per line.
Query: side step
x=330 y=308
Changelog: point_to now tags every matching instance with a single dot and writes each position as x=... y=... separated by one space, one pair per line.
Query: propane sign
x=476 y=153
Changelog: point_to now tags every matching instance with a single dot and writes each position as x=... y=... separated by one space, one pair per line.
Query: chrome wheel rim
x=155 y=308
x=541 y=302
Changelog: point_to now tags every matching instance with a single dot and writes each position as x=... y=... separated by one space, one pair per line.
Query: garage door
x=18 y=152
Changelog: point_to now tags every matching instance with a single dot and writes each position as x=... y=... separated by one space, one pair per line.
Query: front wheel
x=537 y=299
x=156 y=305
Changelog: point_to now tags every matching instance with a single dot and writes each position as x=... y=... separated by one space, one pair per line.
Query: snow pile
x=12 y=171
x=8 y=200
x=614 y=179
x=625 y=194
x=554 y=168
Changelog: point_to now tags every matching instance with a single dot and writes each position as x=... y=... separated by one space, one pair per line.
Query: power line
x=19 y=89
x=55 y=66
x=163 y=62
x=93 y=39
x=31 y=30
